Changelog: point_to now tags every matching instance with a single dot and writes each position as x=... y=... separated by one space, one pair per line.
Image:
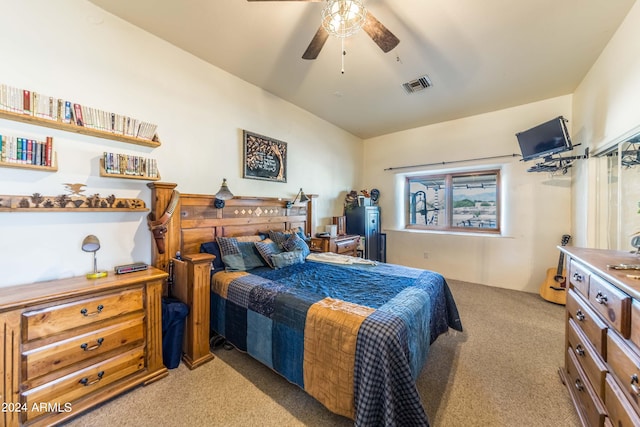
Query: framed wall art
x=264 y=158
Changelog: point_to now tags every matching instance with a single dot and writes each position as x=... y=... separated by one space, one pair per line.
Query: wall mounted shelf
x=31 y=167
x=70 y=127
x=65 y=203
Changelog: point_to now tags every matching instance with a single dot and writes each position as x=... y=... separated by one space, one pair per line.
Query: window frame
x=448 y=179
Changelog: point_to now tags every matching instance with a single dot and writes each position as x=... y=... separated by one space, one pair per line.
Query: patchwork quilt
x=355 y=337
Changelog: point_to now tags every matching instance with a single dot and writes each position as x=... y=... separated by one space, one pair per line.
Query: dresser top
x=599 y=259
x=12 y=297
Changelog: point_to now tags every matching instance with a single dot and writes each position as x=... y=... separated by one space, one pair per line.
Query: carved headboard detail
x=197 y=221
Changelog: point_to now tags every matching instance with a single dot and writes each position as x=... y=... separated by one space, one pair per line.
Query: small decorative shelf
x=31 y=167
x=70 y=127
x=66 y=203
x=106 y=174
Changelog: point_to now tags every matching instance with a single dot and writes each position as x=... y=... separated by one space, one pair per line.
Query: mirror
x=619 y=194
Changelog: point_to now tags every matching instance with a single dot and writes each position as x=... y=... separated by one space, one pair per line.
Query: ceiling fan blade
x=316 y=44
x=384 y=38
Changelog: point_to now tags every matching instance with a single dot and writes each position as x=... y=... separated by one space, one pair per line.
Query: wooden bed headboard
x=195 y=219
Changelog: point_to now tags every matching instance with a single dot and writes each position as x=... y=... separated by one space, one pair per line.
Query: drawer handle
x=578 y=277
x=601 y=298
x=85 y=381
x=580 y=350
x=86 y=313
x=579 y=385
x=634 y=384
x=97 y=345
x=580 y=315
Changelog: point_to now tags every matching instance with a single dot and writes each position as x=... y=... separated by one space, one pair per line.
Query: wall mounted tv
x=544 y=140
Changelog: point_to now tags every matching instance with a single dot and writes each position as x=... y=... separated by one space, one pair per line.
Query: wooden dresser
x=70 y=344
x=345 y=245
x=602 y=345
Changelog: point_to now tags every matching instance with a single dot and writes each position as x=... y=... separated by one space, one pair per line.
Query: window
x=464 y=201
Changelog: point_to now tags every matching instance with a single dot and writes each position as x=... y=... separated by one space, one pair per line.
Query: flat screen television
x=544 y=140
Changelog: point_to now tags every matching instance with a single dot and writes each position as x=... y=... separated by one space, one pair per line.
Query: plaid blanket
x=355 y=337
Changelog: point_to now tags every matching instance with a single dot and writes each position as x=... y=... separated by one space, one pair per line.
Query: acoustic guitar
x=554 y=287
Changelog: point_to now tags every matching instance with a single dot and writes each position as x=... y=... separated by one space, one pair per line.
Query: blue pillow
x=214 y=249
x=285 y=259
x=239 y=256
x=295 y=243
x=267 y=250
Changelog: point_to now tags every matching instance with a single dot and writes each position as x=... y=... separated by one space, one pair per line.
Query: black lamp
x=92 y=244
x=222 y=195
x=303 y=199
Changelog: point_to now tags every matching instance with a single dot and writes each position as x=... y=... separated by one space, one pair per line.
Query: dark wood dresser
x=345 y=245
x=602 y=344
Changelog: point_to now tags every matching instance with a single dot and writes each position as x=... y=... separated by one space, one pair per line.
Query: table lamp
x=92 y=244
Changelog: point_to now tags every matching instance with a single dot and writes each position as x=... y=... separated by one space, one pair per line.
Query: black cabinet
x=365 y=221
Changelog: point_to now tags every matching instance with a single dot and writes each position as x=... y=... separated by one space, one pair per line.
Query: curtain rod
x=453 y=161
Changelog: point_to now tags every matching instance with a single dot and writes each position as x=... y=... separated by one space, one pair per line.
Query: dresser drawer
x=620 y=410
x=57 y=355
x=625 y=365
x=344 y=246
x=592 y=326
x=579 y=277
x=83 y=382
x=635 y=323
x=589 y=360
x=612 y=304
x=588 y=402
x=56 y=319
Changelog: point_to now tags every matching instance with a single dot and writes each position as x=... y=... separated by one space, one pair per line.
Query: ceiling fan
x=343 y=18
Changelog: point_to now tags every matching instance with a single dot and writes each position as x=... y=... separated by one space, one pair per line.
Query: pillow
x=279 y=236
x=214 y=249
x=254 y=238
x=295 y=243
x=267 y=249
x=285 y=259
x=239 y=256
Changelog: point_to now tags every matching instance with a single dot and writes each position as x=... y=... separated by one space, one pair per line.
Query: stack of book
x=24 y=101
x=124 y=164
x=25 y=151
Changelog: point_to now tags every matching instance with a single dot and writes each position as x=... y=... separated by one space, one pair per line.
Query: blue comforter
x=399 y=311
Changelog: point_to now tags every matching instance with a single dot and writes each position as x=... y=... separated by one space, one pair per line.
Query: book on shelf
x=26 y=151
x=125 y=164
x=28 y=102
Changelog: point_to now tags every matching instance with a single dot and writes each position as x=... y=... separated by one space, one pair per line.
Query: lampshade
x=303 y=199
x=92 y=244
x=343 y=18
x=223 y=194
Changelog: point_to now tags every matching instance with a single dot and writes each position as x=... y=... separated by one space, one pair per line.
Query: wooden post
x=192 y=286
x=160 y=196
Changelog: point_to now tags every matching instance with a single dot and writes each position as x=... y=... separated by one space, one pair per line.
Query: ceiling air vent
x=417 y=85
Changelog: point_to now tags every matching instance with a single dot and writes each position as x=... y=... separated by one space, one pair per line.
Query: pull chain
x=344 y=52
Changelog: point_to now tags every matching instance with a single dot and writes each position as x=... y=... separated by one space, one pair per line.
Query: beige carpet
x=501 y=371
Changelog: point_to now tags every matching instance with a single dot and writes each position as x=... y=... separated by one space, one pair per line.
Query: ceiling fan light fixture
x=343 y=18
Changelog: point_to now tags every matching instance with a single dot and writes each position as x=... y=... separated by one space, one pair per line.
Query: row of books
x=25 y=151
x=24 y=101
x=124 y=164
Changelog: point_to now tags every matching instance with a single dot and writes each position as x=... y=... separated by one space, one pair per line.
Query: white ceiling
x=481 y=55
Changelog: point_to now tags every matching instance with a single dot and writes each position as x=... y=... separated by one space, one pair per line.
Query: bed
x=351 y=333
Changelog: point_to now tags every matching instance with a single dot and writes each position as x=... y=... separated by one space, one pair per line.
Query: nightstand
x=345 y=245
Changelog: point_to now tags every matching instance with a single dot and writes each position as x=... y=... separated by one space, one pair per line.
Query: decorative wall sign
x=264 y=158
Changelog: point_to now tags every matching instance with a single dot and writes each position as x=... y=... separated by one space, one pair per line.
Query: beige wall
x=536 y=205
x=606 y=108
x=73 y=49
